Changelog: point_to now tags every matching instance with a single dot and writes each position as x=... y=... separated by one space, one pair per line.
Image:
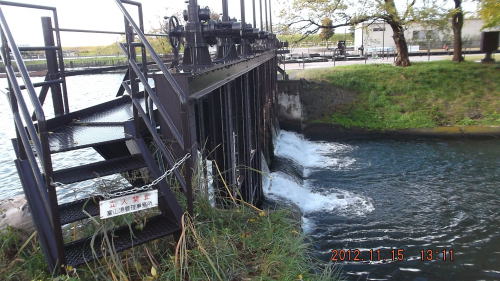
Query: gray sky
x=104 y=15
x=100 y=15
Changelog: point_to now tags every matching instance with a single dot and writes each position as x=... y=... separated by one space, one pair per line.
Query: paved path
x=292 y=66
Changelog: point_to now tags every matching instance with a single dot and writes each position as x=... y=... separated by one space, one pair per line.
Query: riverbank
x=381 y=98
x=238 y=243
x=333 y=132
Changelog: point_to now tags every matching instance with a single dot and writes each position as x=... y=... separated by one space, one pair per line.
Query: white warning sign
x=128 y=204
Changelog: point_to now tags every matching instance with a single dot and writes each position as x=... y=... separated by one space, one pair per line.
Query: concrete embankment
x=301 y=103
x=326 y=131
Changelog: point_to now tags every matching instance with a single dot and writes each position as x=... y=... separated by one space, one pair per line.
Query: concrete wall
x=290 y=109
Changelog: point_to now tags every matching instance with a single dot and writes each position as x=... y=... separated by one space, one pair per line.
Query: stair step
x=80 y=251
x=75 y=136
x=71 y=212
x=99 y=169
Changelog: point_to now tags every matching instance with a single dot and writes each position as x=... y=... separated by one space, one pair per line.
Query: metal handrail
x=40 y=139
x=23 y=5
x=106 y=32
x=34 y=168
x=175 y=86
x=151 y=93
x=151 y=96
x=155 y=136
x=24 y=110
x=58 y=44
x=40 y=115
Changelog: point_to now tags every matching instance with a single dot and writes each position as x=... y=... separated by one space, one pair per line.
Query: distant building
x=377 y=36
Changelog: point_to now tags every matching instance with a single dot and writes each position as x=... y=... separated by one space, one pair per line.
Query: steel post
x=196 y=49
x=52 y=66
x=270 y=17
x=254 y=15
x=265 y=12
x=225 y=13
x=261 y=19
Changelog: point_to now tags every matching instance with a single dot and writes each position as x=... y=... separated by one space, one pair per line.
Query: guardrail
x=33 y=137
x=133 y=30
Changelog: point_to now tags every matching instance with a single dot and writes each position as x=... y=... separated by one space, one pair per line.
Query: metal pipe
x=193 y=11
x=60 y=61
x=243 y=23
x=24 y=111
x=38 y=48
x=22 y=69
x=225 y=13
x=261 y=21
x=270 y=17
x=265 y=11
x=31 y=6
x=242 y=9
x=103 y=32
x=254 y=15
x=53 y=59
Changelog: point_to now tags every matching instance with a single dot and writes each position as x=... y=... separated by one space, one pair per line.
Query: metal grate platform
x=81 y=251
x=73 y=211
x=99 y=169
x=73 y=137
x=99 y=124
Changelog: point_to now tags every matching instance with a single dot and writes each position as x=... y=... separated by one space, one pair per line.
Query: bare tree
x=306 y=14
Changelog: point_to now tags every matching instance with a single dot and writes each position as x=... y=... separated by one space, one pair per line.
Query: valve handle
x=175 y=42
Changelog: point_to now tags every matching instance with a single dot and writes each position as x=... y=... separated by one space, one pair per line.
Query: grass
x=160 y=44
x=426 y=94
x=237 y=243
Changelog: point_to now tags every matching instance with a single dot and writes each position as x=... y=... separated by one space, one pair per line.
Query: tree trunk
x=402 y=58
x=457 y=21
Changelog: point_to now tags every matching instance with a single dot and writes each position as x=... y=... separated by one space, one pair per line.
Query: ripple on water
x=410 y=195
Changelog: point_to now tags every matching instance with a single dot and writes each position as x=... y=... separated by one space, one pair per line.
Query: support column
x=254 y=15
x=196 y=49
x=270 y=17
x=52 y=66
x=265 y=10
x=261 y=19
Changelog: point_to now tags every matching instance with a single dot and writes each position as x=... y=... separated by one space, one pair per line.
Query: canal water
x=401 y=196
x=83 y=91
x=358 y=195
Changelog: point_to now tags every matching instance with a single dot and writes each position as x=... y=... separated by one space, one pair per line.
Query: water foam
x=283 y=186
x=311 y=154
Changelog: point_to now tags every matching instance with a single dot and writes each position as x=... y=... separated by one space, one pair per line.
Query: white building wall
x=378 y=35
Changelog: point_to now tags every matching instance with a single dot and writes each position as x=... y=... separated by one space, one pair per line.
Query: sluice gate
x=217 y=109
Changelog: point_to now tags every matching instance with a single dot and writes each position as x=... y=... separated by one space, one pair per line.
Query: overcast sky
x=104 y=15
x=100 y=15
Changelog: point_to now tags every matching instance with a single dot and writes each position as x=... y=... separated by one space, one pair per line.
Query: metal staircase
x=121 y=130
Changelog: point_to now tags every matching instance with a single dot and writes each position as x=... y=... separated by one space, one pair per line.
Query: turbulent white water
x=312 y=156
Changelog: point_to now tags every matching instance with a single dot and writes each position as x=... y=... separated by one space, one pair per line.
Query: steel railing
x=175 y=86
x=32 y=137
x=151 y=98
